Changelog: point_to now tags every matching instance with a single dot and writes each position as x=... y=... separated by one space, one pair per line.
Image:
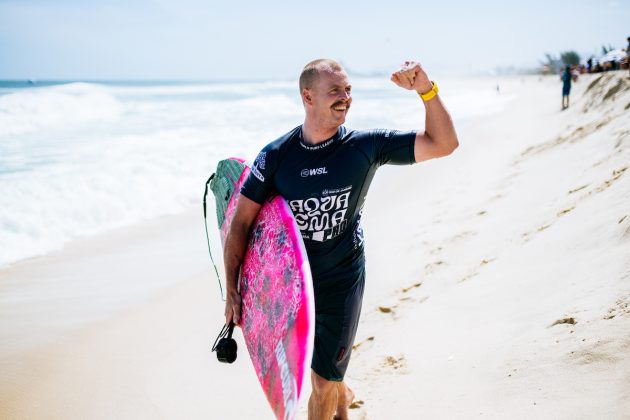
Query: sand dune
x=524 y=265
x=498 y=287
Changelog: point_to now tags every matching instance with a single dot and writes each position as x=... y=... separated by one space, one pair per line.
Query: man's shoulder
x=271 y=154
x=361 y=135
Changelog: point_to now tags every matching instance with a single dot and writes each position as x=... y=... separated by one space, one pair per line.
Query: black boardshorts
x=336 y=320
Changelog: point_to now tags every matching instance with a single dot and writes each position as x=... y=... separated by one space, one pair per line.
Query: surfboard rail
x=278 y=308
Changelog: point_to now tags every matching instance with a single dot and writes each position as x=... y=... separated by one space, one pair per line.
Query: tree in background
x=551 y=64
x=570 y=58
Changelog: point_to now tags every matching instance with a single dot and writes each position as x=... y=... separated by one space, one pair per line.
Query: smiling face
x=328 y=100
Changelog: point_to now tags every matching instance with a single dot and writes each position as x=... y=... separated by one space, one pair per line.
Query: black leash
x=225 y=345
x=205 y=221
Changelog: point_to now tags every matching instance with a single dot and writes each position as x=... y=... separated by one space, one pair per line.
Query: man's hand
x=233 y=308
x=411 y=76
x=234 y=253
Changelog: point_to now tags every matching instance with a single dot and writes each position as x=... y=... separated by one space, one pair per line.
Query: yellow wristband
x=430 y=94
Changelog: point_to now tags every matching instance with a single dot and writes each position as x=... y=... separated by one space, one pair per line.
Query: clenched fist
x=411 y=76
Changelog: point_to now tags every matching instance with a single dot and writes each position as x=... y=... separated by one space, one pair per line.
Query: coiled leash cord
x=205 y=221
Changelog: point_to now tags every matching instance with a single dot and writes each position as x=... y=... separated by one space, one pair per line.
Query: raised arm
x=234 y=252
x=439 y=137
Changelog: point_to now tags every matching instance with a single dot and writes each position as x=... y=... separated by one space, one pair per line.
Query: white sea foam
x=56 y=106
x=231 y=90
x=79 y=159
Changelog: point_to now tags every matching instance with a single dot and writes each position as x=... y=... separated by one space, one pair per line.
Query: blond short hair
x=311 y=71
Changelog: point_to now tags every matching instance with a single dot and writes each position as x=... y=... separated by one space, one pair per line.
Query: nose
x=345 y=95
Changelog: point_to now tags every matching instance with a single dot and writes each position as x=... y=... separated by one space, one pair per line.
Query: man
x=324 y=170
x=566 y=87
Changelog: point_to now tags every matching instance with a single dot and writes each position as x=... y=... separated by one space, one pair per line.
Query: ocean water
x=77 y=159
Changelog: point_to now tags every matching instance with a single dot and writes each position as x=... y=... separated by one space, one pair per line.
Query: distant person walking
x=566 y=87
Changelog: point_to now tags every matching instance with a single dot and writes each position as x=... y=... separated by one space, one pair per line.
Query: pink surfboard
x=278 y=309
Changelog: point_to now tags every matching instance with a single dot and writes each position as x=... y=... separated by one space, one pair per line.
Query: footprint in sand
x=395 y=364
x=527 y=236
x=621 y=308
x=621 y=137
x=461 y=236
x=626 y=234
x=408 y=299
x=567 y=320
x=360 y=343
x=617 y=173
x=432 y=266
x=356 y=404
x=575 y=136
x=436 y=250
x=574 y=190
x=353 y=406
x=565 y=211
x=413 y=286
x=469 y=276
x=390 y=311
x=385 y=309
x=475 y=271
x=423 y=299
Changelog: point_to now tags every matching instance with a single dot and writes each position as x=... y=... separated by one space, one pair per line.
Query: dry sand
x=498 y=287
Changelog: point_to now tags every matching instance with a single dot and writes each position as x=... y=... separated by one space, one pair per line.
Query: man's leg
x=345 y=396
x=323 y=400
x=336 y=327
x=329 y=397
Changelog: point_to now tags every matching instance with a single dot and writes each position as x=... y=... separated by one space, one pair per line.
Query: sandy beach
x=498 y=287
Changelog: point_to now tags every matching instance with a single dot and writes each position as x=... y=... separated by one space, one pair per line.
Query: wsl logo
x=310 y=172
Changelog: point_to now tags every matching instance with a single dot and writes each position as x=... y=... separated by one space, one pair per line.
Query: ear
x=306 y=96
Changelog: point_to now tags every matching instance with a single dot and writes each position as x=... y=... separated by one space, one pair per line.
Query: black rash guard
x=326 y=186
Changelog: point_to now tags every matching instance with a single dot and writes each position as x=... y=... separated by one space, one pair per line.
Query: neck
x=314 y=134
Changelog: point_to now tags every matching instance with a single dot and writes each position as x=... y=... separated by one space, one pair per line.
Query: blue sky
x=209 y=40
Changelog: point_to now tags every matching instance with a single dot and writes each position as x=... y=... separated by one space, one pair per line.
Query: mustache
x=347 y=103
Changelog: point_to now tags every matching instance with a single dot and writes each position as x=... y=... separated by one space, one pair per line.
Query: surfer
x=324 y=170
